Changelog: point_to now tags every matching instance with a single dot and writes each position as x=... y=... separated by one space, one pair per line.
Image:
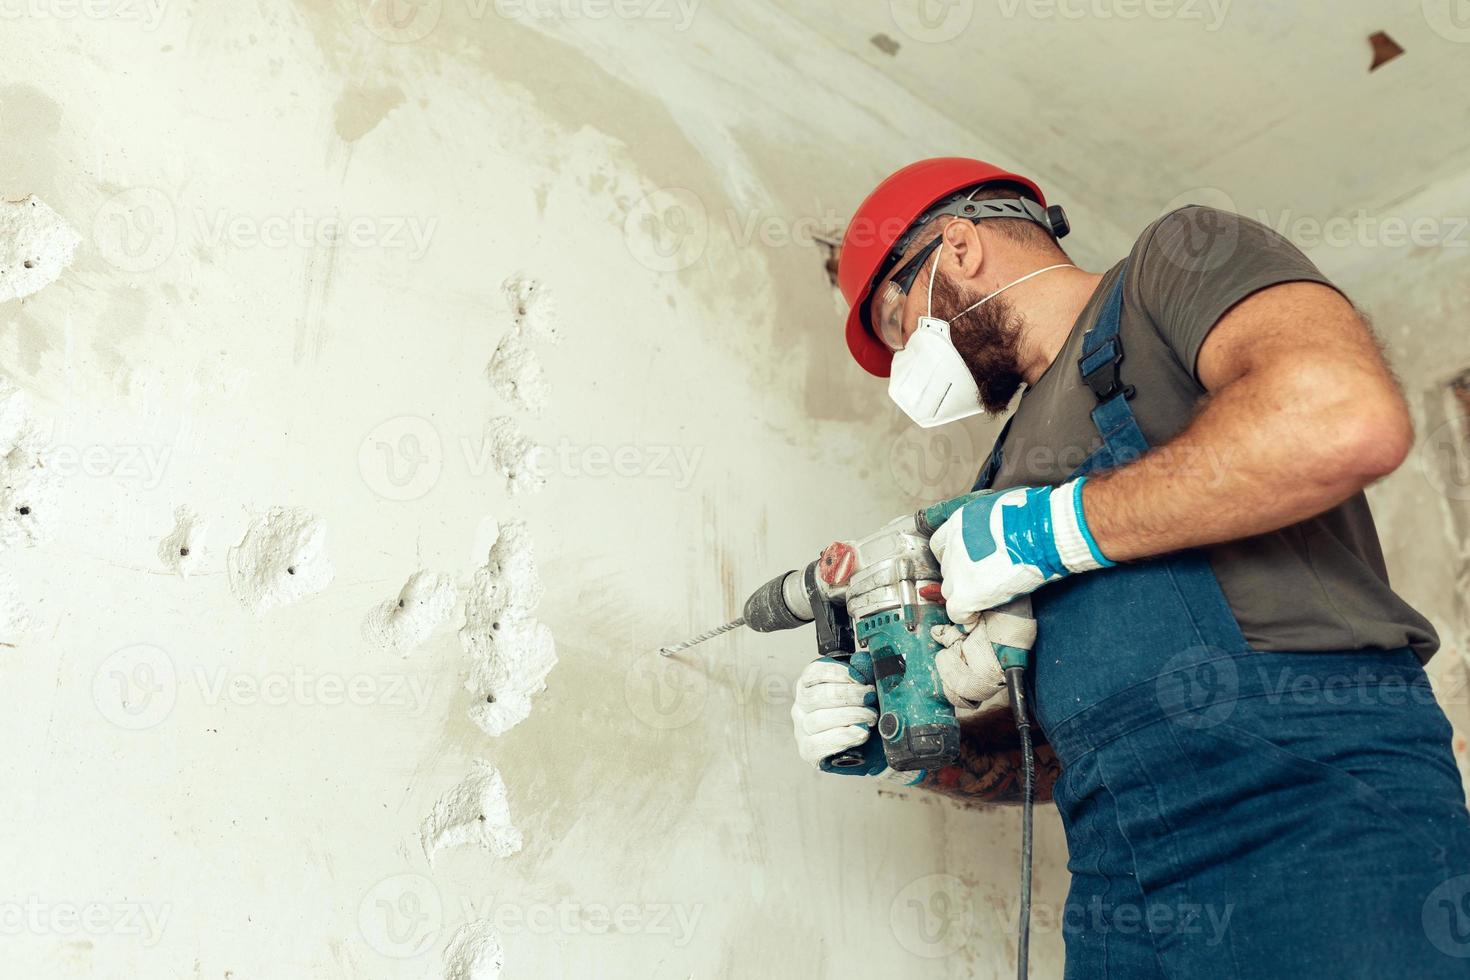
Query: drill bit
x=672 y=649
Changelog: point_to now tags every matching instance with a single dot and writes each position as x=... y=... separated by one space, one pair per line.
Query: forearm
x=1259 y=456
x=990 y=768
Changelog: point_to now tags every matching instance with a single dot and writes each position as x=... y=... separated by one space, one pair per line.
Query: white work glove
x=968 y=669
x=835 y=709
x=1010 y=543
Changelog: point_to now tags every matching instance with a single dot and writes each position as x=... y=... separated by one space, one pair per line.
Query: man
x=1252 y=775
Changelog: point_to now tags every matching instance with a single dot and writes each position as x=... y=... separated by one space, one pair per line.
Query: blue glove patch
x=1029 y=536
x=975 y=527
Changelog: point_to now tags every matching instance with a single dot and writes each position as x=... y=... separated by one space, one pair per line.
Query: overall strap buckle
x=1101 y=370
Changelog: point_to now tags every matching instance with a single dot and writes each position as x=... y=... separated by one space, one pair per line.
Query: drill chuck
x=780 y=604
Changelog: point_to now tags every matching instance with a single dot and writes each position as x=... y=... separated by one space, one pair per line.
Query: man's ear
x=966 y=251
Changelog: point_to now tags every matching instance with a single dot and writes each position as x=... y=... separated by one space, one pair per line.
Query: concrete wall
x=283 y=317
x=286 y=315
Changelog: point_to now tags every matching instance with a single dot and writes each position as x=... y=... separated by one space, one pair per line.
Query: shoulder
x=1197 y=240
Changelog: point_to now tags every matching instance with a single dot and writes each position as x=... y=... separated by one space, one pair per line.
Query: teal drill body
x=875 y=601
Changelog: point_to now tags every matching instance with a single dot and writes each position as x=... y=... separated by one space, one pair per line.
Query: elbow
x=1374 y=437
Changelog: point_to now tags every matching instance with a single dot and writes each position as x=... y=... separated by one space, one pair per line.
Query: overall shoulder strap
x=1100 y=365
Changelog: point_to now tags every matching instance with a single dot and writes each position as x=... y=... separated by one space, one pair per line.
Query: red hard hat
x=882 y=219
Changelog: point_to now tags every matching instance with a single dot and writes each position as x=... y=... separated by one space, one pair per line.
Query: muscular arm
x=1302 y=413
x=989 y=769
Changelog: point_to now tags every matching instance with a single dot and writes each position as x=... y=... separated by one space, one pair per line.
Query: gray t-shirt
x=1317 y=585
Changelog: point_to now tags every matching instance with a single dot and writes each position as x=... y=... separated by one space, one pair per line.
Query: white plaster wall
x=226 y=794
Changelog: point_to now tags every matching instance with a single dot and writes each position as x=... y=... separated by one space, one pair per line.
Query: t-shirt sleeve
x=1195 y=263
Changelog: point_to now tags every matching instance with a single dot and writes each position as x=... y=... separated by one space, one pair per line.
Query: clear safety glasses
x=889 y=323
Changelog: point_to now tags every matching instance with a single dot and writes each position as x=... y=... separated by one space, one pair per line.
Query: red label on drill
x=837 y=563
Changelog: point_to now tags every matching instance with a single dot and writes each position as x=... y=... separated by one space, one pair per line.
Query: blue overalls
x=1236 y=814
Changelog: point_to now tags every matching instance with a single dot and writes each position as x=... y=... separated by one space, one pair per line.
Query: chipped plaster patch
x=402 y=624
x=516 y=374
x=26 y=485
x=515 y=456
x=510 y=652
x=281 y=559
x=36 y=246
x=183 y=548
x=477 y=812
x=533 y=307
x=474 y=953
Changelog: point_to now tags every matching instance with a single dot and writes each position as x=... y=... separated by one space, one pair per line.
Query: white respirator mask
x=929 y=379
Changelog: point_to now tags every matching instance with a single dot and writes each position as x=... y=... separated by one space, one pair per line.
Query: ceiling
x=1266 y=107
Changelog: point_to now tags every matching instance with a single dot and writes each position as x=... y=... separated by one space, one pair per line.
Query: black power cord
x=1016 y=685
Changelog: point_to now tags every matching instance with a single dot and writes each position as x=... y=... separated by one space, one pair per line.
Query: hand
x=835 y=709
x=968 y=668
x=1010 y=543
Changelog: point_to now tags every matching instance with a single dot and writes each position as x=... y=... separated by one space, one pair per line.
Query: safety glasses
x=889 y=325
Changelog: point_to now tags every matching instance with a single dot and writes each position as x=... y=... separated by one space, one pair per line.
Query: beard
x=989 y=342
